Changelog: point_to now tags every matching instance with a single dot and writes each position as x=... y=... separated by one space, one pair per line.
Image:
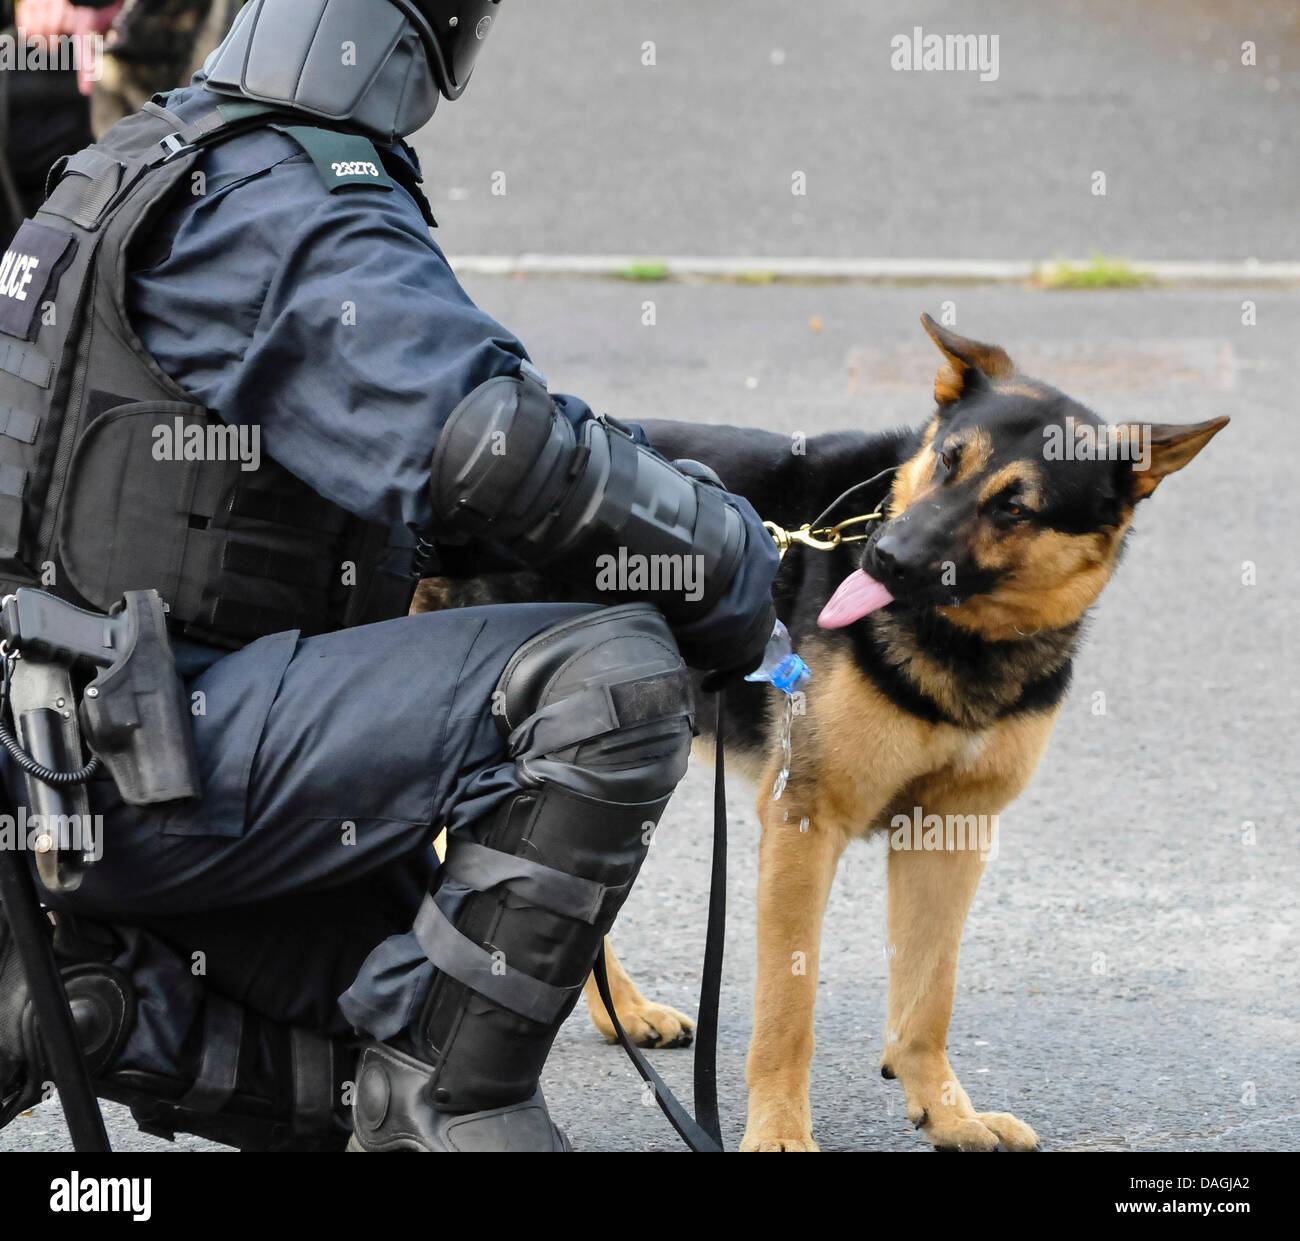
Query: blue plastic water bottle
x=781 y=666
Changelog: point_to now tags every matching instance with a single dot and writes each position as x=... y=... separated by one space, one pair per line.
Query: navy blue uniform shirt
x=332 y=321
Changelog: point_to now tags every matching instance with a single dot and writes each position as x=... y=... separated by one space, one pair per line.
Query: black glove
x=729 y=640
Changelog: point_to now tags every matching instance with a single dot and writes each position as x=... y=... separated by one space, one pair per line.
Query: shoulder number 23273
x=354 y=168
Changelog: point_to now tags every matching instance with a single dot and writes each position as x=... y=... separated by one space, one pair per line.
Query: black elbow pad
x=511 y=468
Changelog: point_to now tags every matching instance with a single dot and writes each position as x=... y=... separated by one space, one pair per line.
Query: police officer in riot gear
x=258 y=388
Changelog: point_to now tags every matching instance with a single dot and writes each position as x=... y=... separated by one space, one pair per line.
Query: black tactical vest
x=111 y=477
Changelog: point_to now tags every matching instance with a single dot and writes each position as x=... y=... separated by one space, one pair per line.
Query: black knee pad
x=598 y=715
x=601 y=704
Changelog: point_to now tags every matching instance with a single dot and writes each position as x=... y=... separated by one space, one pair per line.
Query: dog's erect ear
x=1161 y=448
x=961 y=357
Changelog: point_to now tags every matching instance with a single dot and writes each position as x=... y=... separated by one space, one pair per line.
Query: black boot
x=208 y=1066
x=102 y=1001
x=598 y=716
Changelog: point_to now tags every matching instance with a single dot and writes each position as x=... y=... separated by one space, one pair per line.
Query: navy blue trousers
x=329 y=765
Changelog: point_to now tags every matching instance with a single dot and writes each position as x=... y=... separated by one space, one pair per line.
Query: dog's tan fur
x=941 y=768
x=976 y=768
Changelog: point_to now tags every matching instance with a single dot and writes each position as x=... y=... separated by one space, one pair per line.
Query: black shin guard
x=598 y=713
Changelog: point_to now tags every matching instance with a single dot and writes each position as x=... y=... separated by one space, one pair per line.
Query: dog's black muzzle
x=923 y=560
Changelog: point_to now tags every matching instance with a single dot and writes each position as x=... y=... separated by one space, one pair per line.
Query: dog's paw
x=765 y=1143
x=939 y=1107
x=778 y=1119
x=983 y=1131
x=647 y=1024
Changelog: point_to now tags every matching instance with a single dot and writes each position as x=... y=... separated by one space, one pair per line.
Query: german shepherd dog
x=941 y=648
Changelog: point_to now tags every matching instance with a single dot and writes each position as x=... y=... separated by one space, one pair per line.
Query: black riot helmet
x=453 y=33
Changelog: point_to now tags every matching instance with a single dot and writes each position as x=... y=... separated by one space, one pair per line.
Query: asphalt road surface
x=1130 y=975
x=567 y=142
x=1130 y=971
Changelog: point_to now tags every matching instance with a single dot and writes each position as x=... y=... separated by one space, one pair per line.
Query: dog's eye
x=1008 y=510
x=1014 y=508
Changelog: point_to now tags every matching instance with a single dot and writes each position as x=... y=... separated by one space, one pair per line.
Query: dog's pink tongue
x=856 y=597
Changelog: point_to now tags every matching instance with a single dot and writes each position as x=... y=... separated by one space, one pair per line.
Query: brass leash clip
x=824 y=538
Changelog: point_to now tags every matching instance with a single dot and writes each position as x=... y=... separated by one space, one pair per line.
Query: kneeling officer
x=239 y=372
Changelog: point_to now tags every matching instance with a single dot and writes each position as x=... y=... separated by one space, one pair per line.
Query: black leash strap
x=706 y=1028
x=703 y=1132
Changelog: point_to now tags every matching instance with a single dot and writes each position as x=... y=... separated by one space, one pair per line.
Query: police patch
x=29 y=275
